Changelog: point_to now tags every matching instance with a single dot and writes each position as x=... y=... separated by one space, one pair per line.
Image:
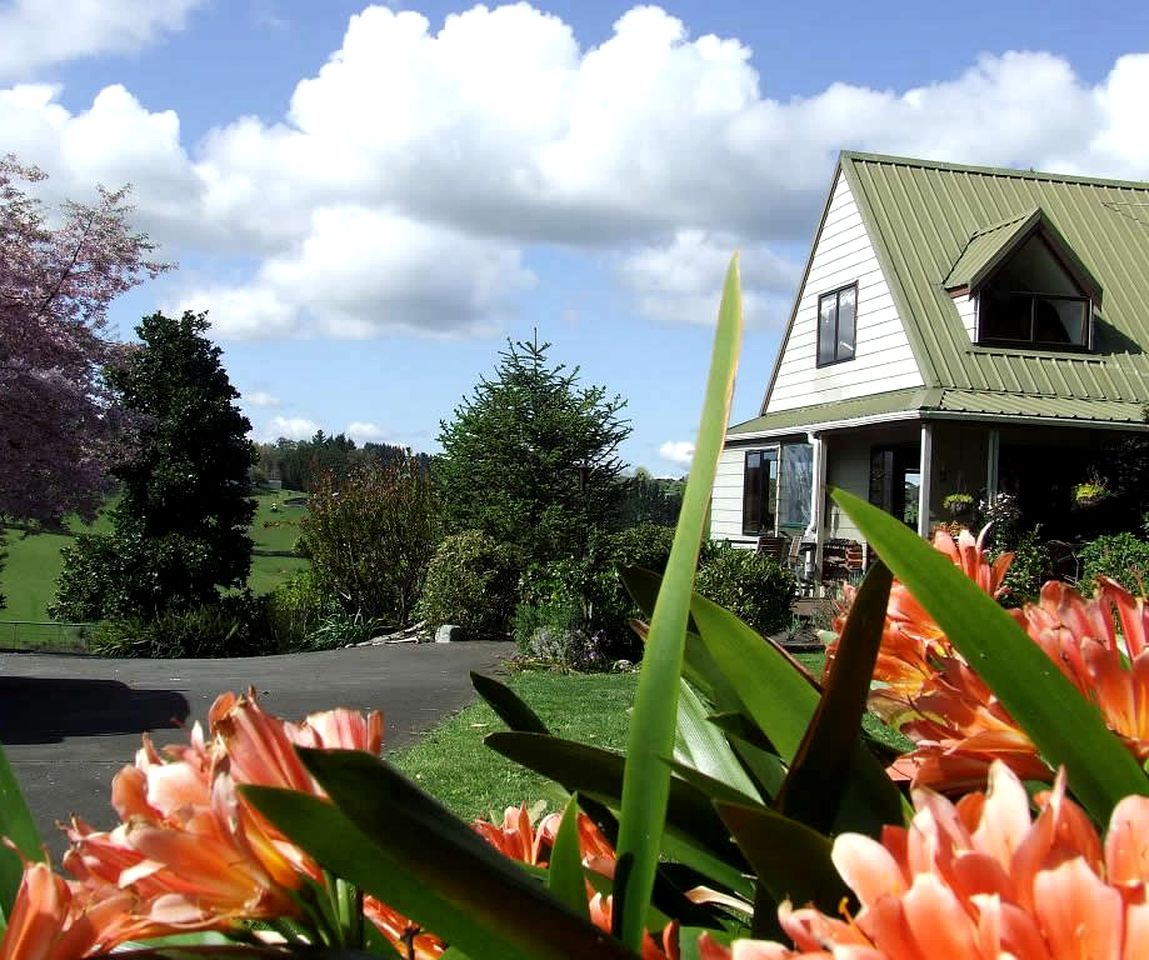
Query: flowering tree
x=59 y=270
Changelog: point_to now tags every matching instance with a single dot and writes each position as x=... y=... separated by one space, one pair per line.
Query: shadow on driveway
x=47 y=710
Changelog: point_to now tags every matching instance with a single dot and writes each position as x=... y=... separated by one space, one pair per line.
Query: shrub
x=577 y=610
x=371 y=535
x=233 y=626
x=1028 y=571
x=1122 y=556
x=756 y=588
x=297 y=608
x=472 y=581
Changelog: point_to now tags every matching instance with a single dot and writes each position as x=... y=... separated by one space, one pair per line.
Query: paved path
x=69 y=723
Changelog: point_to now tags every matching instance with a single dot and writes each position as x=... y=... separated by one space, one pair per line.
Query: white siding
x=883 y=359
x=726 y=499
x=967 y=310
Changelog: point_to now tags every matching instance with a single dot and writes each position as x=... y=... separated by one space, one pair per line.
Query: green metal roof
x=925 y=217
x=925 y=403
x=989 y=247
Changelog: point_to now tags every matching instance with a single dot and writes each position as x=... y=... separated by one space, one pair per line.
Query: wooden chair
x=773 y=546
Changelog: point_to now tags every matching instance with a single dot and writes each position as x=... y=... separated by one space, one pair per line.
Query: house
x=957 y=330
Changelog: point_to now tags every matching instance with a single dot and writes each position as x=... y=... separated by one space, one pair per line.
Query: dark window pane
x=797 y=480
x=827 y=328
x=847 y=304
x=759 y=489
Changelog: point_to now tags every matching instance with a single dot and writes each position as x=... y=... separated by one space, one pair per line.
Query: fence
x=45 y=636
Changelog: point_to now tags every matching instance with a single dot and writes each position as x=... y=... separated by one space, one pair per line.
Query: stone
x=449 y=633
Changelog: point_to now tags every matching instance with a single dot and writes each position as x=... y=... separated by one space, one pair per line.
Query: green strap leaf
x=700 y=745
x=647 y=783
x=791 y=860
x=17 y=824
x=598 y=773
x=506 y=703
x=396 y=842
x=1067 y=729
x=818 y=779
x=564 y=874
x=782 y=703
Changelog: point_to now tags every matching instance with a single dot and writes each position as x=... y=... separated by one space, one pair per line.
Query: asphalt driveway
x=69 y=723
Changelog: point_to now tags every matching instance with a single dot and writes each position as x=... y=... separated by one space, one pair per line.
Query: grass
x=28 y=576
x=453 y=764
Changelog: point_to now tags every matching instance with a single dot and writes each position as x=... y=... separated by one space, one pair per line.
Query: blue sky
x=369 y=200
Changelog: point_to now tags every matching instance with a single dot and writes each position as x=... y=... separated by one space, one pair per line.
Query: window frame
x=773 y=453
x=1032 y=343
x=837 y=294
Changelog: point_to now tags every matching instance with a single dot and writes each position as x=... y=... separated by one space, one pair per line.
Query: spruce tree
x=531 y=458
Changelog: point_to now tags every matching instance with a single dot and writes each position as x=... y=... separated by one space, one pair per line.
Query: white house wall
x=967 y=310
x=726 y=499
x=883 y=359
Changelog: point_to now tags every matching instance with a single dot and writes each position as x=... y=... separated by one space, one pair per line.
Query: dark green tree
x=531 y=458
x=180 y=528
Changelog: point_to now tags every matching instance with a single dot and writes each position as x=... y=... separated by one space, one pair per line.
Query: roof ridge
x=1002 y=224
x=864 y=157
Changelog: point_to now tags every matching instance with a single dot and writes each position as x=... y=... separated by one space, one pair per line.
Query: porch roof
x=933 y=403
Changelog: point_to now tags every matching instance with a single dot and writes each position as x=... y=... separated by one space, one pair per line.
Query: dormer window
x=1030 y=288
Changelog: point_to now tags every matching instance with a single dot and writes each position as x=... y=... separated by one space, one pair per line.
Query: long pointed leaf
x=507 y=704
x=701 y=745
x=817 y=781
x=17 y=824
x=791 y=860
x=564 y=874
x=600 y=774
x=396 y=842
x=782 y=702
x=647 y=783
x=1066 y=728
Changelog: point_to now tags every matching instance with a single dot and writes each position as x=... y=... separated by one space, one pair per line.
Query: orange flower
x=407 y=937
x=52 y=919
x=911 y=639
x=982 y=880
x=520 y=840
x=192 y=849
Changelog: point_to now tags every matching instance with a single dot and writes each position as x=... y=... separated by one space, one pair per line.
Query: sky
x=370 y=200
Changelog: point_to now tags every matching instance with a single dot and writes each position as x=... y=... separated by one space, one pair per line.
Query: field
x=28 y=578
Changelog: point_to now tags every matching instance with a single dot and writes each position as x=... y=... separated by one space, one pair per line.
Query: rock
x=449 y=633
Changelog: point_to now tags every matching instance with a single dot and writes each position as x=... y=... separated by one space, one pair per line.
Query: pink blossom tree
x=59 y=271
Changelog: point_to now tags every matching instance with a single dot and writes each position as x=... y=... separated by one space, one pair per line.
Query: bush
x=234 y=626
x=1122 y=556
x=1028 y=571
x=297 y=609
x=576 y=612
x=371 y=535
x=756 y=588
x=472 y=581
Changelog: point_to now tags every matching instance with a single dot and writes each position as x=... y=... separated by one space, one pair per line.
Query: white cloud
x=292 y=428
x=366 y=432
x=359 y=273
x=38 y=33
x=412 y=172
x=259 y=398
x=682 y=281
x=677 y=451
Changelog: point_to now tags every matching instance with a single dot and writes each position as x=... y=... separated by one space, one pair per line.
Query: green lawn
x=28 y=578
x=453 y=763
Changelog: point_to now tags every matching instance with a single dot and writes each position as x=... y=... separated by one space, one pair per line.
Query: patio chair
x=773 y=546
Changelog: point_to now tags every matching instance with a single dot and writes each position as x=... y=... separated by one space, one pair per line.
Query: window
x=794 y=485
x=759 y=491
x=1033 y=301
x=836 y=315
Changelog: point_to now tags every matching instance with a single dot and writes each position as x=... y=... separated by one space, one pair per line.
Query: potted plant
x=958 y=504
x=1090 y=491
